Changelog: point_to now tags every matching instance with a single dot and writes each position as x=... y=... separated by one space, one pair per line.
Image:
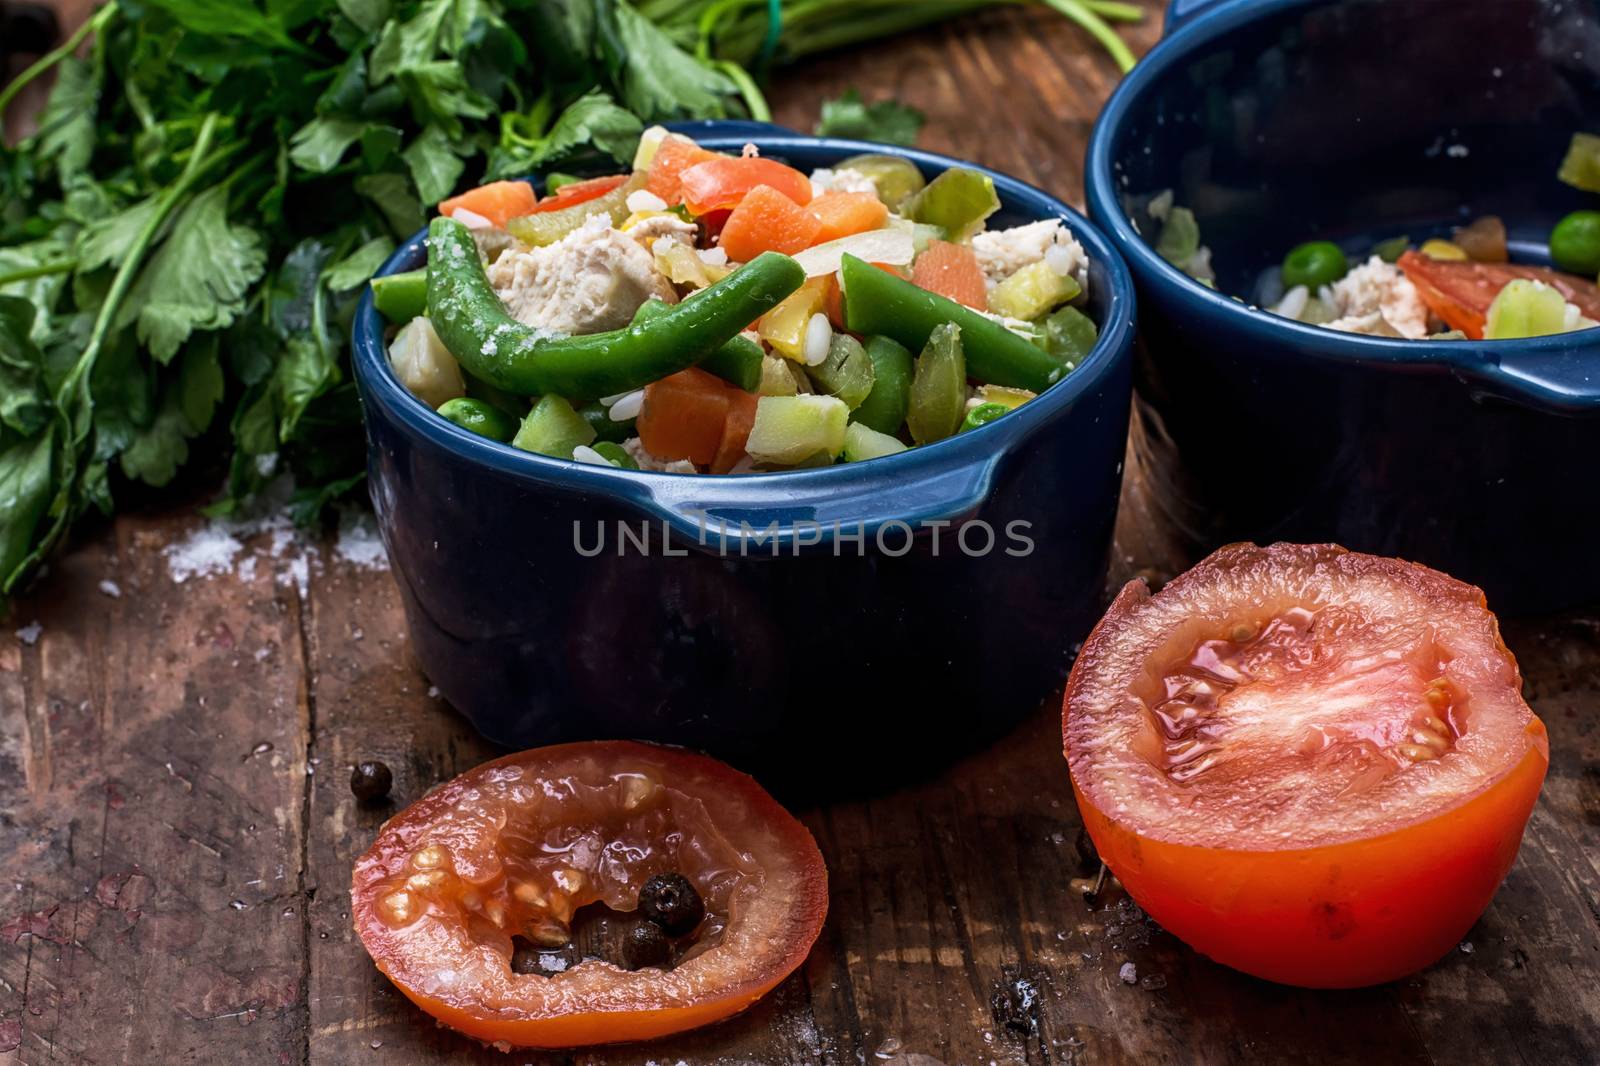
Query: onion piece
x=892 y=246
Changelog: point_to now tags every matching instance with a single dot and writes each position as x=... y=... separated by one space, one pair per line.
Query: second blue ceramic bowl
x=832 y=625
x=1279 y=121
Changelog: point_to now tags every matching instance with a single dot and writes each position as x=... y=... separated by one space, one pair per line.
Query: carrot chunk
x=735 y=431
x=768 y=221
x=845 y=213
x=952 y=271
x=684 y=416
x=673 y=156
x=498 y=201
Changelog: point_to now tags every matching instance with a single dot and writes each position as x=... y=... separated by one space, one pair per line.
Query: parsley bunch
x=183 y=241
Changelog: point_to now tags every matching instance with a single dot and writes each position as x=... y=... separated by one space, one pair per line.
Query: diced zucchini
x=1179 y=239
x=957 y=201
x=1068 y=334
x=1032 y=291
x=775 y=377
x=789 y=430
x=1007 y=398
x=553 y=428
x=1581 y=167
x=863 y=442
x=1527 y=308
x=649 y=141
x=895 y=179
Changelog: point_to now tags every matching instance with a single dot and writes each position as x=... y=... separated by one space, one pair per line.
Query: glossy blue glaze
x=754 y=638
x=1280 y=121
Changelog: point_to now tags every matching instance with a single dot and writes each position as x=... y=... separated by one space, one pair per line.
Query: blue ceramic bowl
x=1280 y=121
x=804 y=620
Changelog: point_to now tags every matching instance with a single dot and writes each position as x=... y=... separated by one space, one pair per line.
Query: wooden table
x=178 y=831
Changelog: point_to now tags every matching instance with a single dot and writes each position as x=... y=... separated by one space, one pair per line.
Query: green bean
x=490 y=344
x=737 y=362
x=481 y=418
x=877 y=301
x=401 y=297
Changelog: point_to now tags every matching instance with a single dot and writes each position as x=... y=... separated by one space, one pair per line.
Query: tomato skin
x=634 y=1006
x=579 y=192
x=1349 y=894
x=1460 y=292
x=1342 y=916
x=717 y=184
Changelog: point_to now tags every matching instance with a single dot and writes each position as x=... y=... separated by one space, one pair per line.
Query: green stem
x=50 y=59
x=1097 y=28
x=123 y=281
x=43 y=270
x=1115 y=10
x=753 y=99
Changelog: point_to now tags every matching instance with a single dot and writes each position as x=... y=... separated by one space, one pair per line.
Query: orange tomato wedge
x=498 y=201
x=767 y=220
x=673 y=156
x=846 y=213
x=725 y=181
x=1461 y=292
x=952 y=271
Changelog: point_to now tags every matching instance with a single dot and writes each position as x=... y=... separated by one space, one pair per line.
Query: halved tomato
x=508 y=853
x=1312 y=765
x=1461 y=292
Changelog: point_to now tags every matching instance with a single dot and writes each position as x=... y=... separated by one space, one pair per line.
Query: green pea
x=1575 y=243
x=479 y=417
x=982 y=415
x=1314 y=264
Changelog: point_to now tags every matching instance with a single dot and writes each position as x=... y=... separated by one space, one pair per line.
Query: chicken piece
x=1001 y=253
x=424 y=365
x=1375 y=298
x=841 y=179
x=590 y=281
x=649 y=228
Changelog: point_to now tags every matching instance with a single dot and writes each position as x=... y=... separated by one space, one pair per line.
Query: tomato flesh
x=514 y=848
x=1311 y=765
x=1460 y=292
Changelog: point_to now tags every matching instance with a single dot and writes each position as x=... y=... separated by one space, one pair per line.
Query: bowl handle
x=1567 y=381
x=1181 y=11
x=783 y=513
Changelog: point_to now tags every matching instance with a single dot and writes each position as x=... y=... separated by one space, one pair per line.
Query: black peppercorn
x=644 y=944
x=370 y=781
x=670 y=901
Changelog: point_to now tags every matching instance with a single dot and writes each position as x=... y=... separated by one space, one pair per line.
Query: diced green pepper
x=847 y=372
x=1180 y=237
x=553 y=428
x=1581 y=167
x=957 y=201
x=939 y=387
x=548 y=227
x=1392 y=249
x=599 y=419
x=1068 y=335
x=884 y=409
x=1032 y=291
x=896 y=179
x=615 y=454
x=789 y=430
x=1010 y=399
x=982 y=415
x=862 y=443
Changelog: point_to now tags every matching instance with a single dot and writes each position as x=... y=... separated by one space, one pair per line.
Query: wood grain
x=178 y=831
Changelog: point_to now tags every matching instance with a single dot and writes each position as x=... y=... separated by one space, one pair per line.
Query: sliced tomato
x=516 y=846
x=1311 y=765
x=721 y=183
x=1461 y=292
x=674 y=155
x=578 y=192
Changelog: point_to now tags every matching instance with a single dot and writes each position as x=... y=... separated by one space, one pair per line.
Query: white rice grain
x=642 y=200
x=585 y=454
x=627 y=407
x=819 y=335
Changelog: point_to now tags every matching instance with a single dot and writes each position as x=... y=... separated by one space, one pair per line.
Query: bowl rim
x=1491 y=364
x=978 y=447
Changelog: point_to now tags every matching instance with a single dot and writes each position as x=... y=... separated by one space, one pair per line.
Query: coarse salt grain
x=359 y=543
x=819 y=335
x=641 y=200
x=1129 y=973
x=627 y=407
x=111 y=588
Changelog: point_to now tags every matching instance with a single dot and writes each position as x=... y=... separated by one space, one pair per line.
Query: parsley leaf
x=887 y=121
